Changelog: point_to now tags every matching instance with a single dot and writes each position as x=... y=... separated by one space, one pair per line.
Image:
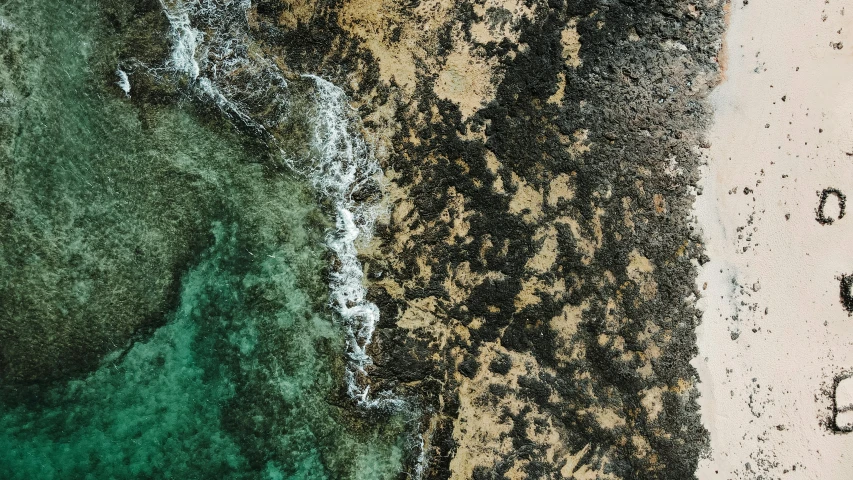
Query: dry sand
x=775 y=333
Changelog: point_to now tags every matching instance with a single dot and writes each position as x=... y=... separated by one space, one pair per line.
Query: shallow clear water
x=111 y=212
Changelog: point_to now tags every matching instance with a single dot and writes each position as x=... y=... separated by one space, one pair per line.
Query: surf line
x=339 y=164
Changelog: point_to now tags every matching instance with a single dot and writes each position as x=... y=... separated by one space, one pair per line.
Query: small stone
x=469 y=366
x=501 y=365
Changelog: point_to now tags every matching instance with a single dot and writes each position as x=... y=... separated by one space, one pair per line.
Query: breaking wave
x=210 y=47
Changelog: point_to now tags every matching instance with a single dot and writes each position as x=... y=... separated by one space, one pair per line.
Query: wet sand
x=775 y=333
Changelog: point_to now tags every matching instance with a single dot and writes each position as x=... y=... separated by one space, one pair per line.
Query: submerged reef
x=164 y=294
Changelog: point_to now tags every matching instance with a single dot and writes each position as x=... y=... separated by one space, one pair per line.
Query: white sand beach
x=775 y=334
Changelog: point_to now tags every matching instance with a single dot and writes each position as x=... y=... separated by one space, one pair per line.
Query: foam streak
x=210 y=41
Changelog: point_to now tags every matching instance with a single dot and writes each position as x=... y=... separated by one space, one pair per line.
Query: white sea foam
x=123 y=81
x=185 y=39
x=5 y=24
x=340 y=165
x=213 y=53
x=422 y=461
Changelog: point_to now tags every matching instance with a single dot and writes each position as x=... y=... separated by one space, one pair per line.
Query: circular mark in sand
x=842 y=200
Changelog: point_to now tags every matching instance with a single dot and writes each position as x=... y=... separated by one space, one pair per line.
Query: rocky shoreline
x=536 y=269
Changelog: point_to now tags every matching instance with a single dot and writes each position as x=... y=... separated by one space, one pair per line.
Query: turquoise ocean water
x=110 y=212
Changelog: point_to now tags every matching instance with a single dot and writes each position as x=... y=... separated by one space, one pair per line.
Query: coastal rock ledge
x=536 y=270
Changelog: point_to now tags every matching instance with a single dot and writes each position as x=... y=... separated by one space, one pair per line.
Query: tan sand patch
x=587 y=246
x=528 y=295
x=587 y=473
x=366 y=19
x=605 y=417
x=455 y=215
x=660 y=203
x=460 y=281
x=492 y=162
x=478 y=429
x=466 y=79
x=526 y=198
x=557 y=97
x=373 y=21
x=560 y=188
x=572 y=461
x=297 y=12
x=481 y=431
x=640 y=271
x=632 y=35
x=627 y=214
x=384 y=128
x=420 y=314
x=533 y=287
x=571 y=41
x=492 y=24
x=576 y=145
x=546 y=257
x=652 y=402
x=641 y=446
x=566 y=324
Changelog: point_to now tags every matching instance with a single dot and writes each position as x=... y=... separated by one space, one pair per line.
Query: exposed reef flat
x=536 y=269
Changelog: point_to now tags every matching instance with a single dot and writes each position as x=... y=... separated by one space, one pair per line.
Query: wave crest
x=210 y=47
